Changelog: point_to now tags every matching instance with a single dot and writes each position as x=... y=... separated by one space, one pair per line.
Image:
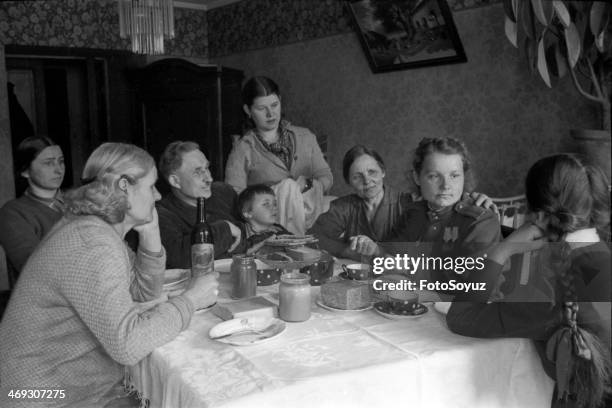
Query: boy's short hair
x=246 y=197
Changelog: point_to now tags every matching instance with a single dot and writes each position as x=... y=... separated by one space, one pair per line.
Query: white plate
x=223 y=265
x=333 y=309
x=379 y=308
x=267 y=327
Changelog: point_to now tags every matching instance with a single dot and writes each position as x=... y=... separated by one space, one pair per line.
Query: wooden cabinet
x=179 y=100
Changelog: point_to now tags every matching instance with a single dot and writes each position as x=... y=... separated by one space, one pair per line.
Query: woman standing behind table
x=26 y=220
x=451 y=225
x=74 y=321
x=567 y=201
x=280 y=155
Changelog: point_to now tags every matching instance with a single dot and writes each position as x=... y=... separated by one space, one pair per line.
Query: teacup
x=357 y=271
x=401 y=301
x=321 y=270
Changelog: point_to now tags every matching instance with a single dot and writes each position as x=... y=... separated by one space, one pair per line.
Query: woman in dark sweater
x=570 y=318
x=24 y=221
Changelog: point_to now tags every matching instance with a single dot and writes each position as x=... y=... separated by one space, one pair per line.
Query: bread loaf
x=345 y=294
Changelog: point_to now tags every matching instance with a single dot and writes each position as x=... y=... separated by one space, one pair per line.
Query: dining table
x=341 y=359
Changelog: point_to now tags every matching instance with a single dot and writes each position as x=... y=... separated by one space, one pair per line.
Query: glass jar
x=294 y=297
x=244 y=276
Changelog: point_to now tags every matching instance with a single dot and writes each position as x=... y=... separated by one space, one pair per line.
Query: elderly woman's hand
x=364 y=245
x=203 y=290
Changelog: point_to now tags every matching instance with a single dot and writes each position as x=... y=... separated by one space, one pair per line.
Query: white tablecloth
x=339 y=359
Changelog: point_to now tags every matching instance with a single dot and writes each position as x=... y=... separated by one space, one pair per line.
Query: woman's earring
x=123 y=184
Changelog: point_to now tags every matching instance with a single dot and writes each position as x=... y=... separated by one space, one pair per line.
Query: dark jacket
x=176 y=219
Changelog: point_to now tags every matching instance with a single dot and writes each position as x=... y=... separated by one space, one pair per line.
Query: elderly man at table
x=185 y=168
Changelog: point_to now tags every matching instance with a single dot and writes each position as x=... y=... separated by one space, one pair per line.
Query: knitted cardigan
x=74 y=320
x=250 y=162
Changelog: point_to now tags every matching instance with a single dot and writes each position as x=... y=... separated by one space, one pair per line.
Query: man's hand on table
x=203 y=290
x=364 y=245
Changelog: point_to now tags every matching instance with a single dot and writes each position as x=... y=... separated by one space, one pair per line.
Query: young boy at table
x=258 y=209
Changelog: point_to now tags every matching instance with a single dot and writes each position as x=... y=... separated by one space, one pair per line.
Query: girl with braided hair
x=568 y=202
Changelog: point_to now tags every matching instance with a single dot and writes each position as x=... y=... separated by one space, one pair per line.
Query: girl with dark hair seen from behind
x=26 y=220
x=568 y=201
x=276 y=153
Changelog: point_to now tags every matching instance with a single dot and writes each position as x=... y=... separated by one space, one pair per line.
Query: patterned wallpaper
x=254 y=24
x=506 y=115
x=91 y=24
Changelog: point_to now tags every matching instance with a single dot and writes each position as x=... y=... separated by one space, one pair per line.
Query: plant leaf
x=543 y=11
x=572 y=40
x=581 y=20
x=542 y=65
x=561 y=61
x=599 y=16
x=515 y=8
x=509 y=9
x=530 y=52
x=561 y=12
x=527 y=19
x=511 y=32
x=557 y=63
x=599 y=42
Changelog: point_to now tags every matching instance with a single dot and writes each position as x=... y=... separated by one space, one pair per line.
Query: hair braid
x=573 y=196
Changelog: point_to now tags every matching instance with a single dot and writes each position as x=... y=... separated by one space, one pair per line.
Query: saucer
x=383 y=309
x=345 y=276
x=247 y=331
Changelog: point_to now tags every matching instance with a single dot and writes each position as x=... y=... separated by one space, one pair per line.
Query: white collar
x=583 y=235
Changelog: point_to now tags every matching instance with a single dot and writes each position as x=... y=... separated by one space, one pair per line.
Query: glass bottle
x=202 y=249
x=294 y=297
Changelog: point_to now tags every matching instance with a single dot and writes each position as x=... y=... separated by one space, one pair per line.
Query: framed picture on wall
x=404 y=34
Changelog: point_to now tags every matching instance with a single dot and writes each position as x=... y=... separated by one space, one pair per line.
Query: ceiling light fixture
x=146 y=23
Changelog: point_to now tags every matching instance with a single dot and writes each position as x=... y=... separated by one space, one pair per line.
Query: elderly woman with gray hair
x=75 y=318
